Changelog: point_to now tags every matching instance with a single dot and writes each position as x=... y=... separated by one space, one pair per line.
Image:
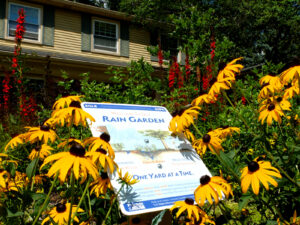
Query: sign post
x=167 y=167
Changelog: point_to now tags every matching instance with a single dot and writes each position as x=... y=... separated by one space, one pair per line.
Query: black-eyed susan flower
x=256 y=172
x=229 y=69
x=292 y=90
x=202 y=221
x=100 y=142
x=226 y=131
x=183 y=119
x=209 y=140
x=272 y=80
x=189 y=135
x=188 y=206
x=16 y=183
x=43 y=134
x=4 y=176
x=100 y=186
x=60 y=213
x=267 y=91
x=211 y=188
x=127 y=178
x=65 y=101
x=269 y=113
x=74 y=159
x=69 y=142
x=290 y=74
x=219 y=85
x=17 y=140
x=40 y=151
x=205 y=98
x=100 y=157
x=71 y=115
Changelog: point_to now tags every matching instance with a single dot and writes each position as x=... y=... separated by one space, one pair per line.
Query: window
x=105 y=36
x=32 y=21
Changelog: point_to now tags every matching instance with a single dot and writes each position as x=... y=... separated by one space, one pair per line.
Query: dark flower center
x=279 y=99
x=104 y=175
x=105 y=137
x=224 y=127
x=65 y=94
x=253 y=166
x=222 y=65
x=77 y=150
x=189 y=201
x=1 y=170
x=264 y=85
x=204 y=180
x=38 y=148
x=288 y=85
x=45 y=127
x=101 y=150
x=136 y=220
x=75 y=104
x=61 y=208
x=206 y=138
x=271 y=107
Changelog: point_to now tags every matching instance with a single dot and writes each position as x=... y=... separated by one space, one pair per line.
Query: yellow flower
x=230 y=69
x=60 y=214
x=4 y=176
x=42 y=134
x=189 y=135
x=17 y=140
x=74 y=159
x=267 y=91
x=100 y=142
x=271 y=80
x=211 y=187
x=66 y=101
x=69 y=141
x=40 y=151
x=187 y=205
x=292 y=90
x=73 y=114
x=202 y=221
x=100 y=157
x=292 y=73
x=219 y=85
x=269 y=113
x=258 y=171
x=100 y=185
x=127 y=178
x=209 y=140
x=183 y=119
x=205 y=98
x=226 y=131
x=15 y=184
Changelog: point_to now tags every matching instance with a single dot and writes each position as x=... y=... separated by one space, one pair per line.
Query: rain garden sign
x=167 y=167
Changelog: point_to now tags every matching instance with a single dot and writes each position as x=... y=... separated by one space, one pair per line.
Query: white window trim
x=117 y=33
x=39 y=41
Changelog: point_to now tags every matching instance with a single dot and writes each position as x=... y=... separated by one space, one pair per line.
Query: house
x=74 y=37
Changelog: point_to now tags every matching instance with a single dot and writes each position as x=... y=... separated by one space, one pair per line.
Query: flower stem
x=72 y=196
x=238 y=114
x=196 y=128
x=46 y=200
x=110 y=208
x=81 y=199
x=279 y=167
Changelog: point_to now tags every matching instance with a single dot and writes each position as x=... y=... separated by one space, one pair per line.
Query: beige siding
x=138 y=41
x=67 y=35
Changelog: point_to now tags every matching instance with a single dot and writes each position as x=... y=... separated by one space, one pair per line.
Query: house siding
x=138 y=41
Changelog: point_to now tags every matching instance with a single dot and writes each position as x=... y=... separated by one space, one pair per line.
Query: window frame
x=93 y=49
x=40 y=22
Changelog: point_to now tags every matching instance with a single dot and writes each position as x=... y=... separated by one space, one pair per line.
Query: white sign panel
x=168 y=167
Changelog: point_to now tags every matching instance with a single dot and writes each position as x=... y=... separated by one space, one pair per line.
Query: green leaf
x=30 y=168
x=271 y=222
x=156 y=220
x=10 y=214
x=38 y=196
x=244 y=201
